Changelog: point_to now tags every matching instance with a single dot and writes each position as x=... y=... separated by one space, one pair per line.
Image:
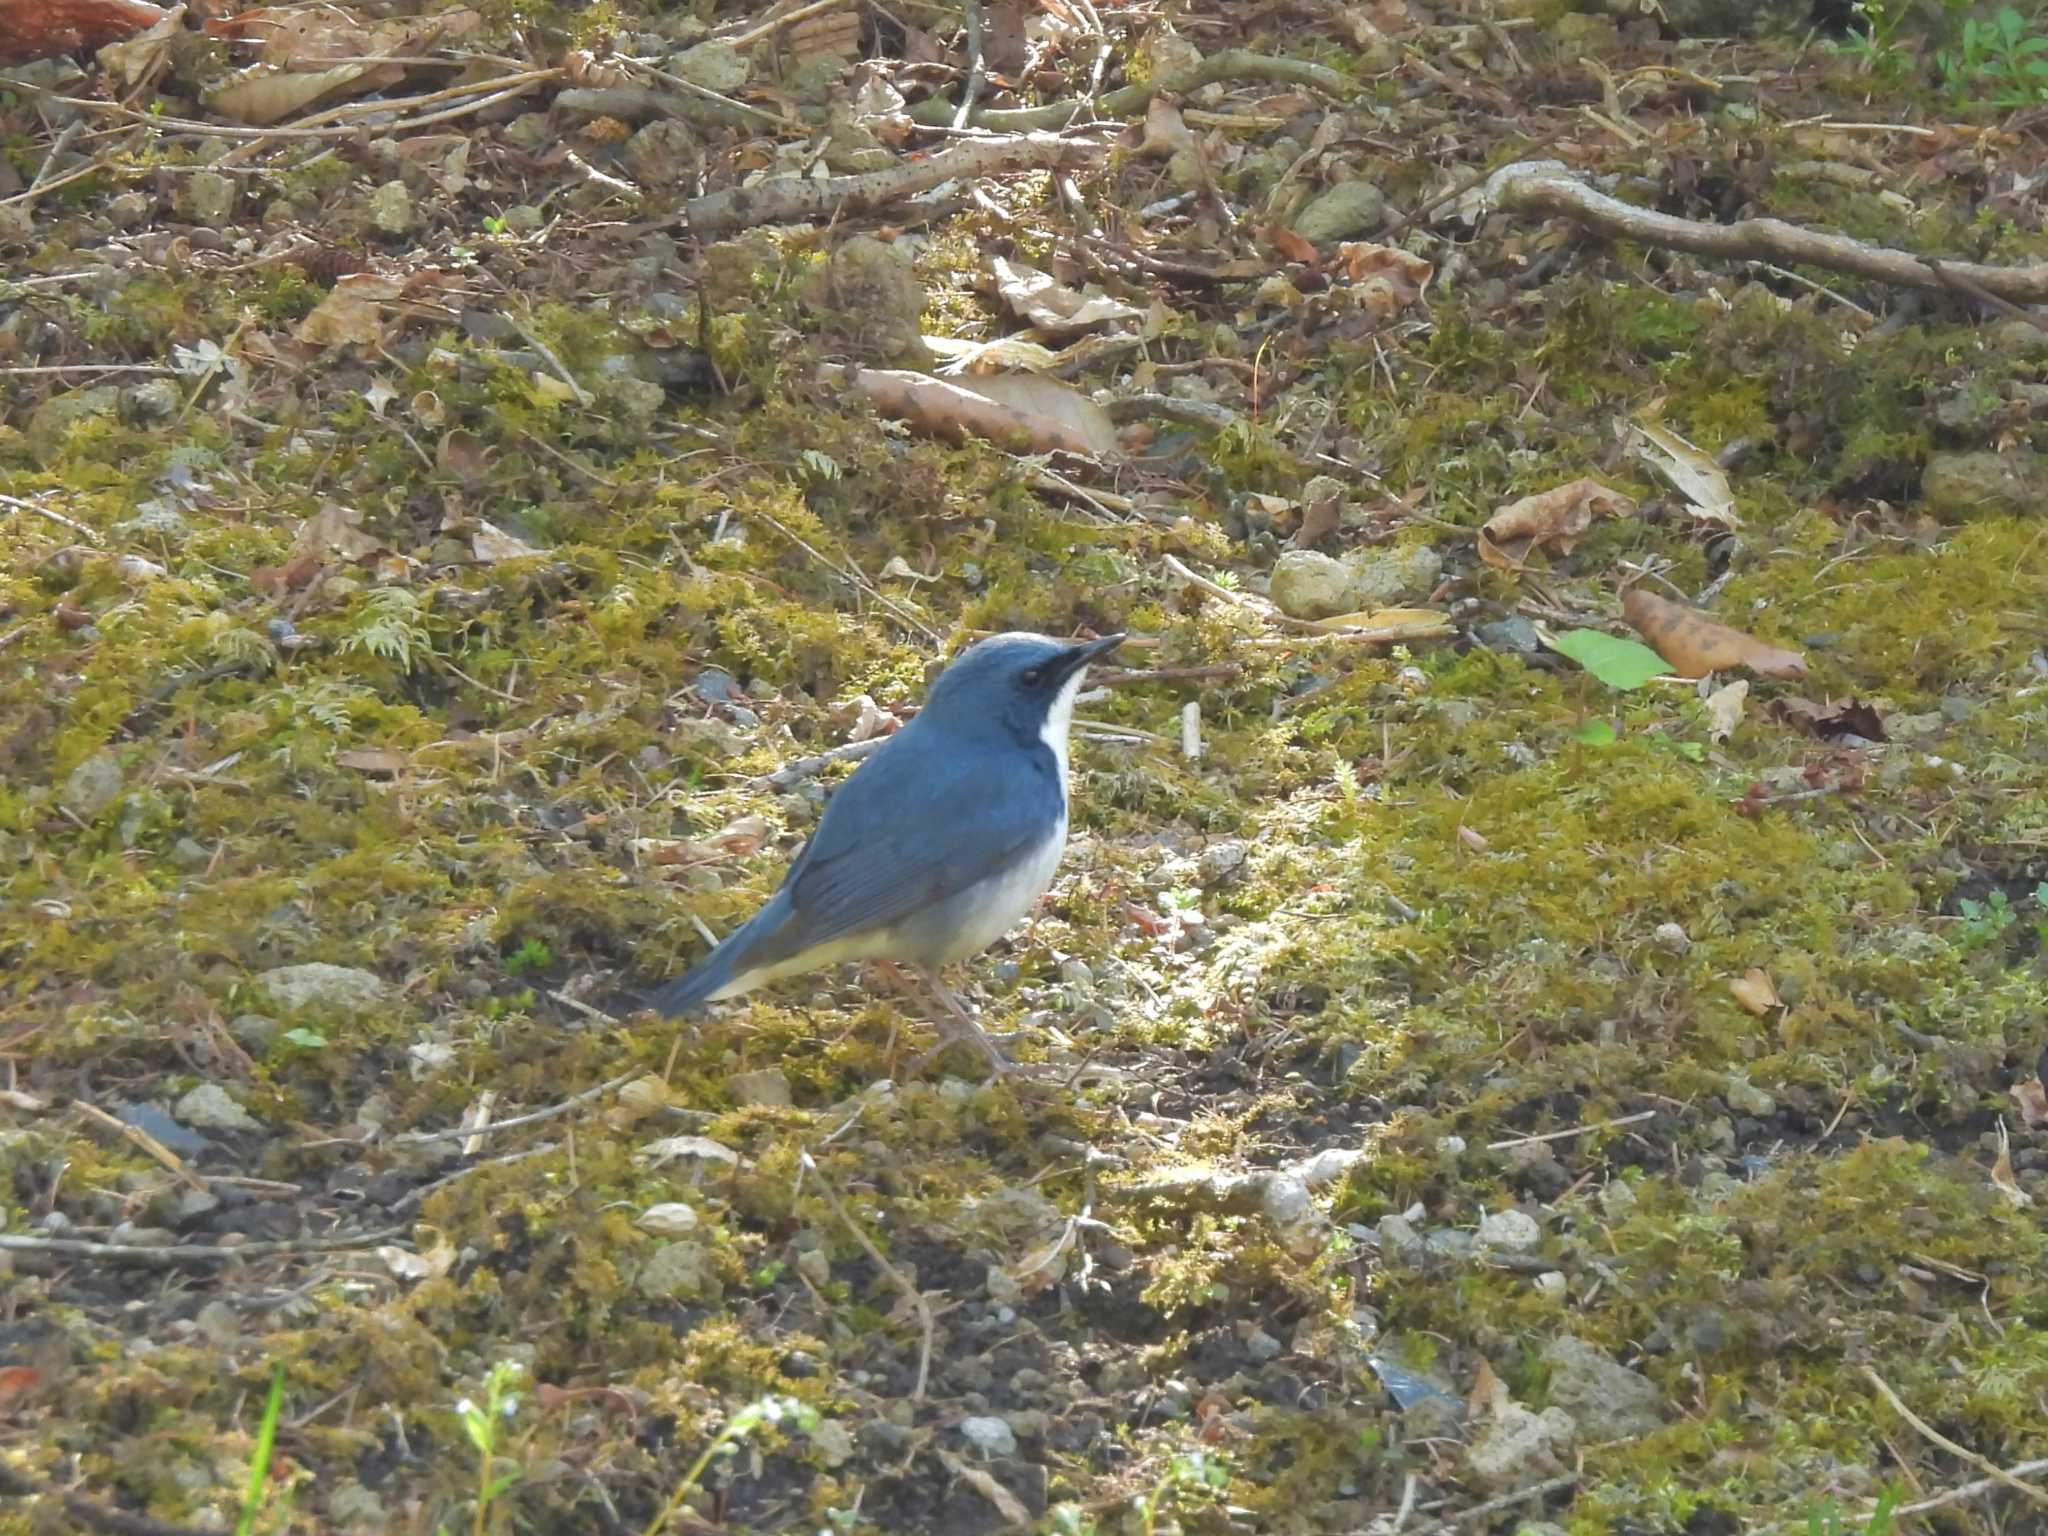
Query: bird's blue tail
x=724 y=964
x=693 y=988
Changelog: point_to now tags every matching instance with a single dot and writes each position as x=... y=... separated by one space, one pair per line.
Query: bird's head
x=1019 y=681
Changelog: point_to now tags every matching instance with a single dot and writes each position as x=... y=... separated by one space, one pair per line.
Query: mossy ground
x=1463 y=918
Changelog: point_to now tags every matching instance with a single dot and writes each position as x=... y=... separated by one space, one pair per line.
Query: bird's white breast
x=1059 y=720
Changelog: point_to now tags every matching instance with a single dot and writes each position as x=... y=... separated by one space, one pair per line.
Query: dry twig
x=1548 y=186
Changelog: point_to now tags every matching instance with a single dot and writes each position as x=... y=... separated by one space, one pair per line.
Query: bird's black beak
x=1079 y=656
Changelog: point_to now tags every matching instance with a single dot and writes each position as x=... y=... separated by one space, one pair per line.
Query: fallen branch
x=1548 y=186
x=1130 y=100
x=189 y=1253
x=1982 y=1463
x=796 y=199
x=463 y=1133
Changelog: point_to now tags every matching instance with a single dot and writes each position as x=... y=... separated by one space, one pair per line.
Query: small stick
x=1191 y=730
x=1502 y=1501
x=1571 y=1131
x=1220 y=672
x=805 y=767
x=56 y=517
x=465 y=1132
x=974 y=65
x=135 y=1135
x=1982 y=1463
x=910 y=1292
x=50 y=160
x=583 y=396
x=189 y=1253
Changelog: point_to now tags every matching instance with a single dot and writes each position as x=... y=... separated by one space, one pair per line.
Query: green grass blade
x=259 y=1462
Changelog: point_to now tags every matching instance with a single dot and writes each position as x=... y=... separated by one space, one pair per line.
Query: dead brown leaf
x=1554 y=519
x=1754 y=993
x=1696 y=645
x=2031 y=1097
x=353 y=312
x=1165 y=133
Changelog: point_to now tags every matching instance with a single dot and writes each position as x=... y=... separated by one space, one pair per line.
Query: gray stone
x=391 y=210
x=680 y=1272
x=156 y=520
x=128 y=209
x=151 y=400
x=1608 y=1401
x=253 y=1031
x=358 y=1508
x=1308 y=585
x=662 y=153
x=1511 y=1231
x=1222 y=863
x=218 y=1322
x=1345 y=211
x=2013 y=483
x=1262 y=1346
x=211 y=1109
x=1382 y=579
x=335 y=988
x=990 y=1435
x=1514 y=635
x=871 y=299
x=1745 y=1098
x=92 y=786
x=767 y=1086
x=834 y=1442
x=1517 y=1447
x=190 y=853
x=208 y=199
x=715 y=66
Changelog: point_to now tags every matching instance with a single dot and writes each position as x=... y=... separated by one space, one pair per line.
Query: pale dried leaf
x=1032 y=394
x=1041 y=300
x=1691 y=473
x=1753 y=991
x=489 y=544
x=1724 y=708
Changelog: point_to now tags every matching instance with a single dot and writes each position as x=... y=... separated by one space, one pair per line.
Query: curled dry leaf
x=1383 y=280
x=1754 y=993
x=1041 y=300
x=353 y=313
x=1724 y=708
x=1830 y=722
x=1696 y=645
x=1293 y=247
x=2001 y=1170
x=2031 y=1098
x=1165 y=132
x=1554 y=519
x=1691 y=473
x=1011 y=413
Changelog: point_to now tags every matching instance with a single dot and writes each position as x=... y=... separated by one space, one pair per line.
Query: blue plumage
x=937 y=844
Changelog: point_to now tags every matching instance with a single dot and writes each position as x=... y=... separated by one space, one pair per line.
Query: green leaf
x=1596 y=733
x=311 y=1039
x=1622 y=664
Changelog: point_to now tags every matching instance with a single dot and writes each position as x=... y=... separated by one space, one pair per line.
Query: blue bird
x=933 y=848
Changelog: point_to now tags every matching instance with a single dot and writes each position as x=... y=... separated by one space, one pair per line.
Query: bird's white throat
x=1058 y=721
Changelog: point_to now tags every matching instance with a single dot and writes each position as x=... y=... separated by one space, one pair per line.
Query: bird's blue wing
x=912 y=826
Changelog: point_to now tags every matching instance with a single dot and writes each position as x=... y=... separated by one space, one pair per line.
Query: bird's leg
x=964 y=1027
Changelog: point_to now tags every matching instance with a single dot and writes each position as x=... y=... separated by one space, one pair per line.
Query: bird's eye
x=1033 y=676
